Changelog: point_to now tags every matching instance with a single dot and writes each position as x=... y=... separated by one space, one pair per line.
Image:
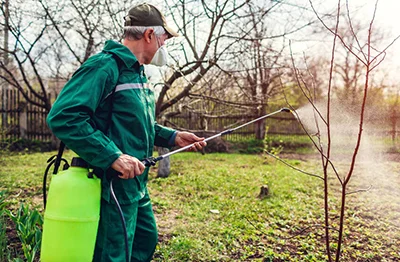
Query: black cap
x=148 y=15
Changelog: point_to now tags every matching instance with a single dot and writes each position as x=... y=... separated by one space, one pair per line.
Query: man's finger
x=136 y=171
x=123 y=175
x=198 y=146
x=141 y=167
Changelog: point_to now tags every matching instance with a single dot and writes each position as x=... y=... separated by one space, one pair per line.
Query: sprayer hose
x=121 y=214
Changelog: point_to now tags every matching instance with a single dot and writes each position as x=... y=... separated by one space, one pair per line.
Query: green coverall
x=79 y=118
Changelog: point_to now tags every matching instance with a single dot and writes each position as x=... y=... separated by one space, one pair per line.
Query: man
x=114 y=81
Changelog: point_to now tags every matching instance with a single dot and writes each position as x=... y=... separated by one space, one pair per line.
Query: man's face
x=153 y=43
x=162 y=39
x=159 y=41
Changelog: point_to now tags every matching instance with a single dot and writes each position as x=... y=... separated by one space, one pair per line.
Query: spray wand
x=151 y=161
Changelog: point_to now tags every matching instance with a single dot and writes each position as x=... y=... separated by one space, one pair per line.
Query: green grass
x=245 y=225
x=3 y=229
x=208 y=209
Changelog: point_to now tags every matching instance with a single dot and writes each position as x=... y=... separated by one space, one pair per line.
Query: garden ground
x=209 y=208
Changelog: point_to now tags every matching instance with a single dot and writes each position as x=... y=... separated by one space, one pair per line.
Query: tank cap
x=79 y=162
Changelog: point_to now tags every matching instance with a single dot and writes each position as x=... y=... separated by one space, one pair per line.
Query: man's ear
x=148 y=35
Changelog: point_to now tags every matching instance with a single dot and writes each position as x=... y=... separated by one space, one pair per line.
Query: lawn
x=209 y=208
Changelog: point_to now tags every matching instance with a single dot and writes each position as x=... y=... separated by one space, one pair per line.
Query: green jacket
x=79 y=117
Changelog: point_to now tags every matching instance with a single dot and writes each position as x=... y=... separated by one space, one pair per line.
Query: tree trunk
x=260 y=129
x=260 y=125
x=6 y=62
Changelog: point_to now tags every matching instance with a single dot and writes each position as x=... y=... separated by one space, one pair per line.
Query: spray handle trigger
x=150 y=161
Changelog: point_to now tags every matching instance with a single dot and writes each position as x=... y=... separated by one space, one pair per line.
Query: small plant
x=249 y=146
x=272 y=148
x=28 y=224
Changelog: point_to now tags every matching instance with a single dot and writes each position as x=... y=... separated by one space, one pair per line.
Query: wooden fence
x=277 y=125
x=22 y=120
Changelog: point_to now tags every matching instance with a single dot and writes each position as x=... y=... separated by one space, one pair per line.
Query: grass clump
x=3 y=229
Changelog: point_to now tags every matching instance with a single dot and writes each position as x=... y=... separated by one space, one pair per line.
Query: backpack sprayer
x=73 y=210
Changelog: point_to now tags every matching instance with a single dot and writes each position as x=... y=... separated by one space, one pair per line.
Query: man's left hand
x=185 y=138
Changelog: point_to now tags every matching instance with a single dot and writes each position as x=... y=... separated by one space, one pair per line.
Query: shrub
x=250 y=146
x=25 y=145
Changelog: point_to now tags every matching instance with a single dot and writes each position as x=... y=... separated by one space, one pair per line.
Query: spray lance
x=151 y=161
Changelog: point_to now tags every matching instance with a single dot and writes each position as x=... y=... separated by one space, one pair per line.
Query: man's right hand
x=128 y=166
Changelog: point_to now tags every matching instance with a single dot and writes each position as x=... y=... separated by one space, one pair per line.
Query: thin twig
x=360 y=190
x=295 y=168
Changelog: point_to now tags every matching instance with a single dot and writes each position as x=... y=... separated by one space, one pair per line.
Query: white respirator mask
x=160 y=58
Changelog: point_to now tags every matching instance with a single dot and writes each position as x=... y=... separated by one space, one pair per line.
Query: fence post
x=23 y=120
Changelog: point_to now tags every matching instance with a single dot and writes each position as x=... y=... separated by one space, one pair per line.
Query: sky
x=387 y=20
x=388 y=17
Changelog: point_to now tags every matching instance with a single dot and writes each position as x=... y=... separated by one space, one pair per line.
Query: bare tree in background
x=63 y=34
x=204 y=26
x=22 y=70
x=311 y=79
x=257 y=62
x=233 y=37
x=348 y=67
x=369 y=57
x=90 y=22
x=50 y=39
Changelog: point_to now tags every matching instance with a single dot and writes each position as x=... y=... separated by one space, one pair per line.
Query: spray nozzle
x=287 y=110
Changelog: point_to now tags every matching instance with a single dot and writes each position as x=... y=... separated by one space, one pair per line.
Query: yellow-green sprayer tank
x=72 y=215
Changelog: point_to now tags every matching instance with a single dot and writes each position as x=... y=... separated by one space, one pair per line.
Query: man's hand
x=128 y=166
x=185 y=138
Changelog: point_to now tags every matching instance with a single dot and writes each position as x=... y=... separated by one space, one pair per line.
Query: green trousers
x=141 y=228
